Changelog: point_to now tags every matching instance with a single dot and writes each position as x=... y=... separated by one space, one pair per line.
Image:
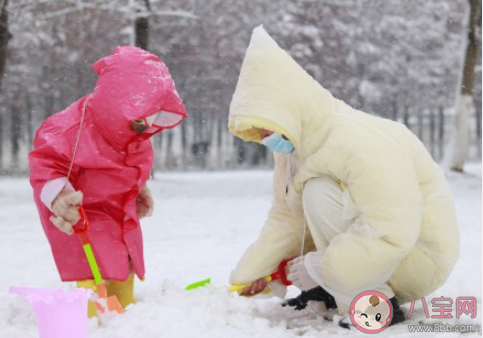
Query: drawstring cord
x=303 y=238
x=78 y=139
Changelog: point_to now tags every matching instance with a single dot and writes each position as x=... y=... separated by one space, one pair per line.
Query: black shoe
x=346 y=322
x=397 y=315
x=316 y=294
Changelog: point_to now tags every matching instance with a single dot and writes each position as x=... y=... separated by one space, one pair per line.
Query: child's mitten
x=64 y=207
x=144 y=203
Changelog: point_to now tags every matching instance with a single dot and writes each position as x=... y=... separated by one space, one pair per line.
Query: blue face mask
x=278 y=144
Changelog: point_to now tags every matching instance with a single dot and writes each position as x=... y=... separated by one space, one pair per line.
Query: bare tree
x=141 y=24
x=465 y=101
x=15 y=136
x=4 y=37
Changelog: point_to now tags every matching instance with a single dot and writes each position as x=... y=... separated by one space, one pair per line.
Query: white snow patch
x=201 y=224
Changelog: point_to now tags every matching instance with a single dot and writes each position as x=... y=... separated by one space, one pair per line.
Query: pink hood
x=123 y=95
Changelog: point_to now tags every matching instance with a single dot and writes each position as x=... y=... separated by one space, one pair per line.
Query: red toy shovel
x=279 y=274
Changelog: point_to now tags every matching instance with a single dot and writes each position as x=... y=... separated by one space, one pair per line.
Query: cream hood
x=275 y=93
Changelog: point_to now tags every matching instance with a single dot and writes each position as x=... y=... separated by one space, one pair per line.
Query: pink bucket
x=59 y=313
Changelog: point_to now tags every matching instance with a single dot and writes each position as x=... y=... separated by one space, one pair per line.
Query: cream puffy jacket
x=411 y=239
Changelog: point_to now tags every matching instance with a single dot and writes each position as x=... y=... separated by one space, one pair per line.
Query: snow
x=201 y=225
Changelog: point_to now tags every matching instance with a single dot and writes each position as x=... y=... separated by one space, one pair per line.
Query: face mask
x=278 y=144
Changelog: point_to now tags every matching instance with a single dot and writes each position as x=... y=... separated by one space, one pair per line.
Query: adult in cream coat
x=359 y=200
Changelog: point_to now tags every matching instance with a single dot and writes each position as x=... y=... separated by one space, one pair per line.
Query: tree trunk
x=213 y=150
x=441 y=133
x=49 y=104
x=406 y=116
x=4 y=37
x=1 y=141
x=219 y=144
x=478 y=131
x=16 y=131
x=394 y=109
x=420 y=125
x=184 y=145
x=158 y=149
x=29 y=123
x=465 y=101
x=141 y=25
x=240 y=151
x=432 y=134
x=169 y=150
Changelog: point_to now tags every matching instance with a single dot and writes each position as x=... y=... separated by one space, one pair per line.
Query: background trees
x=398 y=59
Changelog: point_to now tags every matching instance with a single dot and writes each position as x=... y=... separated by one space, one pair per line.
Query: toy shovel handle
x=83 y=225
x=282 y=272
x=80 y=229
x=279 y=274
x=238 y=288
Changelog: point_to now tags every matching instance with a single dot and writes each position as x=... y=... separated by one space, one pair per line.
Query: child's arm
x=49 y=163
x=52 y=188
x=281 y=238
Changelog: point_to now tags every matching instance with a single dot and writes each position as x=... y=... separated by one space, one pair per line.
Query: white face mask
x=278 y=144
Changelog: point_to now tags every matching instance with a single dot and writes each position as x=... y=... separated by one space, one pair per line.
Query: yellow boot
x=91 y=307
x=124 y=291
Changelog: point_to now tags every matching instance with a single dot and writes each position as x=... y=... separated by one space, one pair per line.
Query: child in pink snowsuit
x=97 y=153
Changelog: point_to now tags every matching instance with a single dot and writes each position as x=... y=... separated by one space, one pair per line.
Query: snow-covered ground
x=201 y=225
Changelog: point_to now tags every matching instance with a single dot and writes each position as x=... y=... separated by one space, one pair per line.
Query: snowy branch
x=113 y=6
x=30 y=4
x=62 y=12
x=183 y=14
x=340 y=3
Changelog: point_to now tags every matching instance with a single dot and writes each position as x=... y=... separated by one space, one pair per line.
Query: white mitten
x=64 y=207
x=144 y=203
x=298 y=275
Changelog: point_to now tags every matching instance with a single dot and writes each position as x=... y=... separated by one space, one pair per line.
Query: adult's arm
x=280 y=238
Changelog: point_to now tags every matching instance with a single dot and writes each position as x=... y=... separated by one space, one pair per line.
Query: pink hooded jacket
x=112 y=163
